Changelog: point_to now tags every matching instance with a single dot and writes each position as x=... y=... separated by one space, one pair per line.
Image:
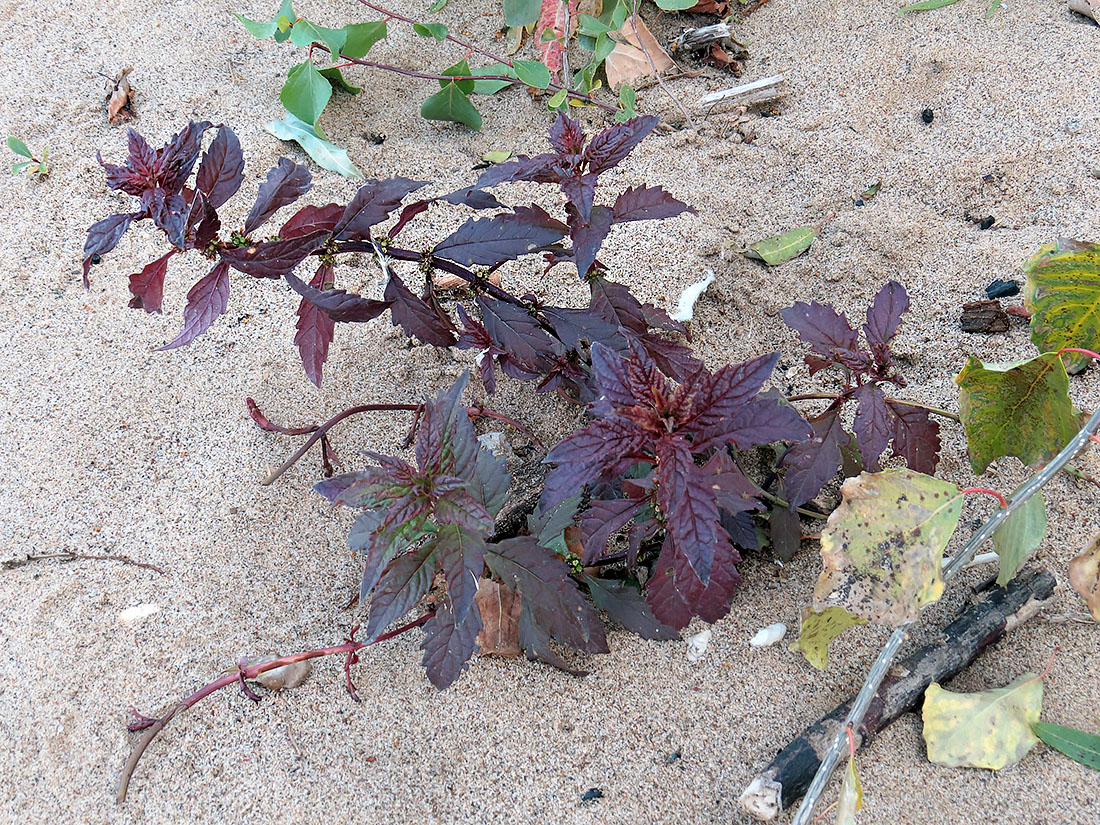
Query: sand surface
x=110 y=447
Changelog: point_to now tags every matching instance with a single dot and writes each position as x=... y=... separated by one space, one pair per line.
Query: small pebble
x=285 y=677
x=1002 y=289
x=698 y=644
x=986 y=223
x=590 y=794
x=96 y=258
x=927 y=115
x=672 y=757
x=132 y=615
x=768 y=636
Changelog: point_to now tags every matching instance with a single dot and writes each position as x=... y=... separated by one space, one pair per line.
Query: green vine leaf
x=1063 y=294
x=278 y=26
x=819 y=630
x=1021 y=409
x=305 y=33
x=361 y=36
x=533 y=73
x=327 y=155
x=882 y=548
x=452 y=102
x=991 y=729
x=306 y=92
x=521 y=12
x=1019 y=536
x=1076 y=744
x=338 y=82
x=436 y=30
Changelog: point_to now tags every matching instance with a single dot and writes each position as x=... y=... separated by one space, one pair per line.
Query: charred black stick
x=786 y=779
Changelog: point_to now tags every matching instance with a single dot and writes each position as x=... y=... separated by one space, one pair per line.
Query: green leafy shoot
x=452 y=101
x=32 y=166
x=306 y=92
x=626 y=104
x=926 y=5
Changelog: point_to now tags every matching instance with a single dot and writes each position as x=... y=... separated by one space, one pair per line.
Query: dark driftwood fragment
x=523 y=498
x=983 y=316
x=786 y=779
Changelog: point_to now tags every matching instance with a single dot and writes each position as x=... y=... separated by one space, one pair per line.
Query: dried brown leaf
x=120 y=105
x=1084 y=575
x=628 y=63
x=499 y=607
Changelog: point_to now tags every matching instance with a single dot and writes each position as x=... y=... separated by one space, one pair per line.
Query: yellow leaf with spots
x=991 y=729
x=882 y=548
x=1063 y=294
x=819 y=629
x=1084 y=575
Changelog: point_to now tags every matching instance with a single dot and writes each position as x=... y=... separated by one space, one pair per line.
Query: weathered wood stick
x=785 y=780
x=700 y=38
x=754 y=92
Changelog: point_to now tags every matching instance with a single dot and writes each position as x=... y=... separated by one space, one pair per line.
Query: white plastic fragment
x=132 y=615
x=698 y=644
x=686 y=308
x=768 y=636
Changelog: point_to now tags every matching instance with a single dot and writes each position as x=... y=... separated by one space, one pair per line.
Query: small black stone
x=927 y=115
x=590 y=794
x=986 y=223
x=1002 y=289
x=377 y=138
x=96 y=259
x=859 y=202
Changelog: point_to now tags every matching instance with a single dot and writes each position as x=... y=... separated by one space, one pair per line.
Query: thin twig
x=68 y=555
x=801 y=510
x=958 y=561
x=653 y=68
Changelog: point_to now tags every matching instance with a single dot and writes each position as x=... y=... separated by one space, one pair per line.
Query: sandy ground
x=113 y=448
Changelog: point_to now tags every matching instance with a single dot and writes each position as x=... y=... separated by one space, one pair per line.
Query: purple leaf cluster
x=528 y=340
x=867 y=369
x=675 y=439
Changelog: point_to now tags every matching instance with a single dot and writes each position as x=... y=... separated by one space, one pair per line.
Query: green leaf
x=676 y=5
x=626 y=104
x=549 y=528
x=533 y=73
x=490 y=87
x=993 y=9
x=285 y=18
x=521 y=12
x=361 y=36
x=926 y=5
x=327 y=155
x=338 y=82
x=1019 y=535
x=437 y=6
x=991 y=729
x=1076 y=744
x=871 y=190
x=592 y=26
x=306 y=92
x=304 y=33
x=19 y=147
x=851 y=795
x=1020 y=408
x=261 y=31
x=557 y=100
x=19 y=167
x=882 y=548
x=436 y=30
x=819 y=630
x=1063 y=294
x=496 y=157
x=451 y=102
x=780 y=248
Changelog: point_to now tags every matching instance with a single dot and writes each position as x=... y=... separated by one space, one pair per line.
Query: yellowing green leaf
x=1084 y=575
x=1020 y=408
x=1018 y=536
x=1076 y=744
x=882 y=548
x=780 y=248
x=851 y=796
x=496 y=156
x=819 y=629
x=1063 y=294
x=991 y=729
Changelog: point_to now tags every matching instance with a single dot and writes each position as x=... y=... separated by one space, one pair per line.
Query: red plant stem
x=328 y=425
x=239 y=675
x=987 y=492
x=1087 y=352
x=833 y=396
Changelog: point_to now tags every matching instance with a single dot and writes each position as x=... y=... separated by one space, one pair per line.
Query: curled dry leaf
x=1084 y=575
x=444 y=280
x=627 y=63
x=120 y=105
x=1089 y=8
x=500 y=608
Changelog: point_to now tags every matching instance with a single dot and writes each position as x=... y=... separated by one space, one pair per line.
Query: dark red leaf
x=516 y=333
x=206 y=300
x=448 y=646
x=491 y=241
x=274 y=259
x=611 y=146
x=103 y=236
x=316 y=328
x=599 y=452
x=826 y=331
x=675 y=593
x=811 y=464
x=416 y=317
x=626 y=605
x=884 y=315
x=147 y=286
x=285 y=184
x=614 y=302
x=574 y=325
x=408 y=213
x=588 y=236
x=222 y=169
x=873 y=423
x=372 y=204
x=580 y=190
x=733 y=491
x=673 y=359
x=645 y=203
x=916 y=437
x=310 y=219
x=338 y=304
x=535 y=643
x=566 y=136
x=539 y=168
x=402 y=585
x=167 y=211
x=461 y=555
x=473 y=198
x=722 y=395
x=785 y=532
x=760 y=421
x=600 y=520
x=174 y=162
x=687 y=499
